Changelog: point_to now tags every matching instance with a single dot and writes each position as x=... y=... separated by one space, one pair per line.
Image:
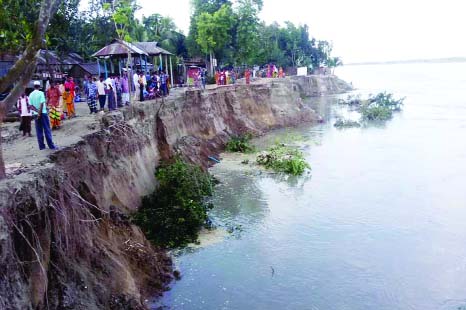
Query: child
x=68 y=98
x=26 y=116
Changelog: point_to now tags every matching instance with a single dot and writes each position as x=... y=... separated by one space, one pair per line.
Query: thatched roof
x=119 y=48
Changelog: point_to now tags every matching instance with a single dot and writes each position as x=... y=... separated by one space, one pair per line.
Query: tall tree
x=199 y=7
x=122 y=15
x=247 y=32
x=213 y=31
x=23 y=69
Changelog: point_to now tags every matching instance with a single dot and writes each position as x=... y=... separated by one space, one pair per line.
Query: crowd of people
x=230 y=76
x=151 y=85
x=51 y=108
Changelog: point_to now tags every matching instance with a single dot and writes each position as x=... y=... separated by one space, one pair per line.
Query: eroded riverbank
x=65 y=235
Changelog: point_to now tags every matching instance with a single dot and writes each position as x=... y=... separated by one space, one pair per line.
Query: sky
x=360 y=30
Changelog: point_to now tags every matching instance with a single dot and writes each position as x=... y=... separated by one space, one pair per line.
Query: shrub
x=376 y=113
x=281 y=158
x=175 y=212
x=380 y=107
x=386 y=100
x=240 y=144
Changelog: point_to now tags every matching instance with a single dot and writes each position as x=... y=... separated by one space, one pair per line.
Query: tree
x=214 y=31
x=23 y=69
x=247 y=33
x=164 y=31
x=333 y=62
x=199 y=7
x=122 y=15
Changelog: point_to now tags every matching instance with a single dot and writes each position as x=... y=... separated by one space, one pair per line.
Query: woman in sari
x=53 y=104
x=61 y=100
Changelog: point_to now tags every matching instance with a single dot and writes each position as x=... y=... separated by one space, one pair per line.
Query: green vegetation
x=240 y=144
x=346 y=123
x=380 y=107
x=376 y=108
x=282 y=158
x=229 y=30
x=175 y=212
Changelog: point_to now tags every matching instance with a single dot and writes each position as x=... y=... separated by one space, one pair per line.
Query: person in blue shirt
x=41 y=119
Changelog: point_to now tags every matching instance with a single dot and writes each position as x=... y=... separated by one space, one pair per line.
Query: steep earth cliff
x=66 y=241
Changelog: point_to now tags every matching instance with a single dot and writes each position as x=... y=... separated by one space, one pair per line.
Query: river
x=379 y=222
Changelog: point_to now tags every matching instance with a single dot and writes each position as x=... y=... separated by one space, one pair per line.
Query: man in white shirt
x=101 y=92
x=136 y=84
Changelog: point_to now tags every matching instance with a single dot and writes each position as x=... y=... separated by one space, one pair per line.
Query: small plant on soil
x=175 y=212
x=346 y=123
x=282 y=158
x=240 y=144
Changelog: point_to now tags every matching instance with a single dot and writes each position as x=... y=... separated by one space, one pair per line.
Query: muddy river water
x=379 y=222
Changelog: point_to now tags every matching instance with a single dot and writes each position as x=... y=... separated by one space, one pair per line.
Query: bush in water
x=380 y=107
x=346 y=123
x=175 y=212
x=283 y=158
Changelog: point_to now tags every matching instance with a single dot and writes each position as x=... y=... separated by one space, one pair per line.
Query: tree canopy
x=230 y=30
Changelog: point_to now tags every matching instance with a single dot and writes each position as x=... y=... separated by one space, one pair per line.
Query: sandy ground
x=23 y=152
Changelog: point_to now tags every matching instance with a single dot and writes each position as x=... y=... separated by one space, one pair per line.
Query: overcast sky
x=361 y=30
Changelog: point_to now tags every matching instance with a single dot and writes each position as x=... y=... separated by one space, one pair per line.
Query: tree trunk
x=2 y=163
x=211 y=64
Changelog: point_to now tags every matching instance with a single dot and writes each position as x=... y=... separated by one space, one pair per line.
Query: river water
x=379 y=222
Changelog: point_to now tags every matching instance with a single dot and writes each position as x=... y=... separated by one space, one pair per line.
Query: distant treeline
x=229 y=31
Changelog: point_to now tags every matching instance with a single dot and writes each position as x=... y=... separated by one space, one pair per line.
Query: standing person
x=41 y=119
x=26 y=116
x=61 y=101
x=125 y=89
x=87 y=81
x=163 y=83
x=111 y=97
x=92 y=93
x=101 y=92
x=227 y=77
x=280 y=73
x=141 y=86
x=118 y=91
x=233 y=76
x=247 y=75
x=168 y=83
x=53 y=102
x=136 y=84
x=222 y=77
x=68 y=97
x=217 y=77
x=203 y=78
x=72 y=87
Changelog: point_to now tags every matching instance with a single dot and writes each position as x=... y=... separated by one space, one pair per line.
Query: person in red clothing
x=53 y=99
x=247 y=75
x=217 y=77
x=71 y=86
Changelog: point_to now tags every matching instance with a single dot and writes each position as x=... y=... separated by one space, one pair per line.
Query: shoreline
x=78 y=200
